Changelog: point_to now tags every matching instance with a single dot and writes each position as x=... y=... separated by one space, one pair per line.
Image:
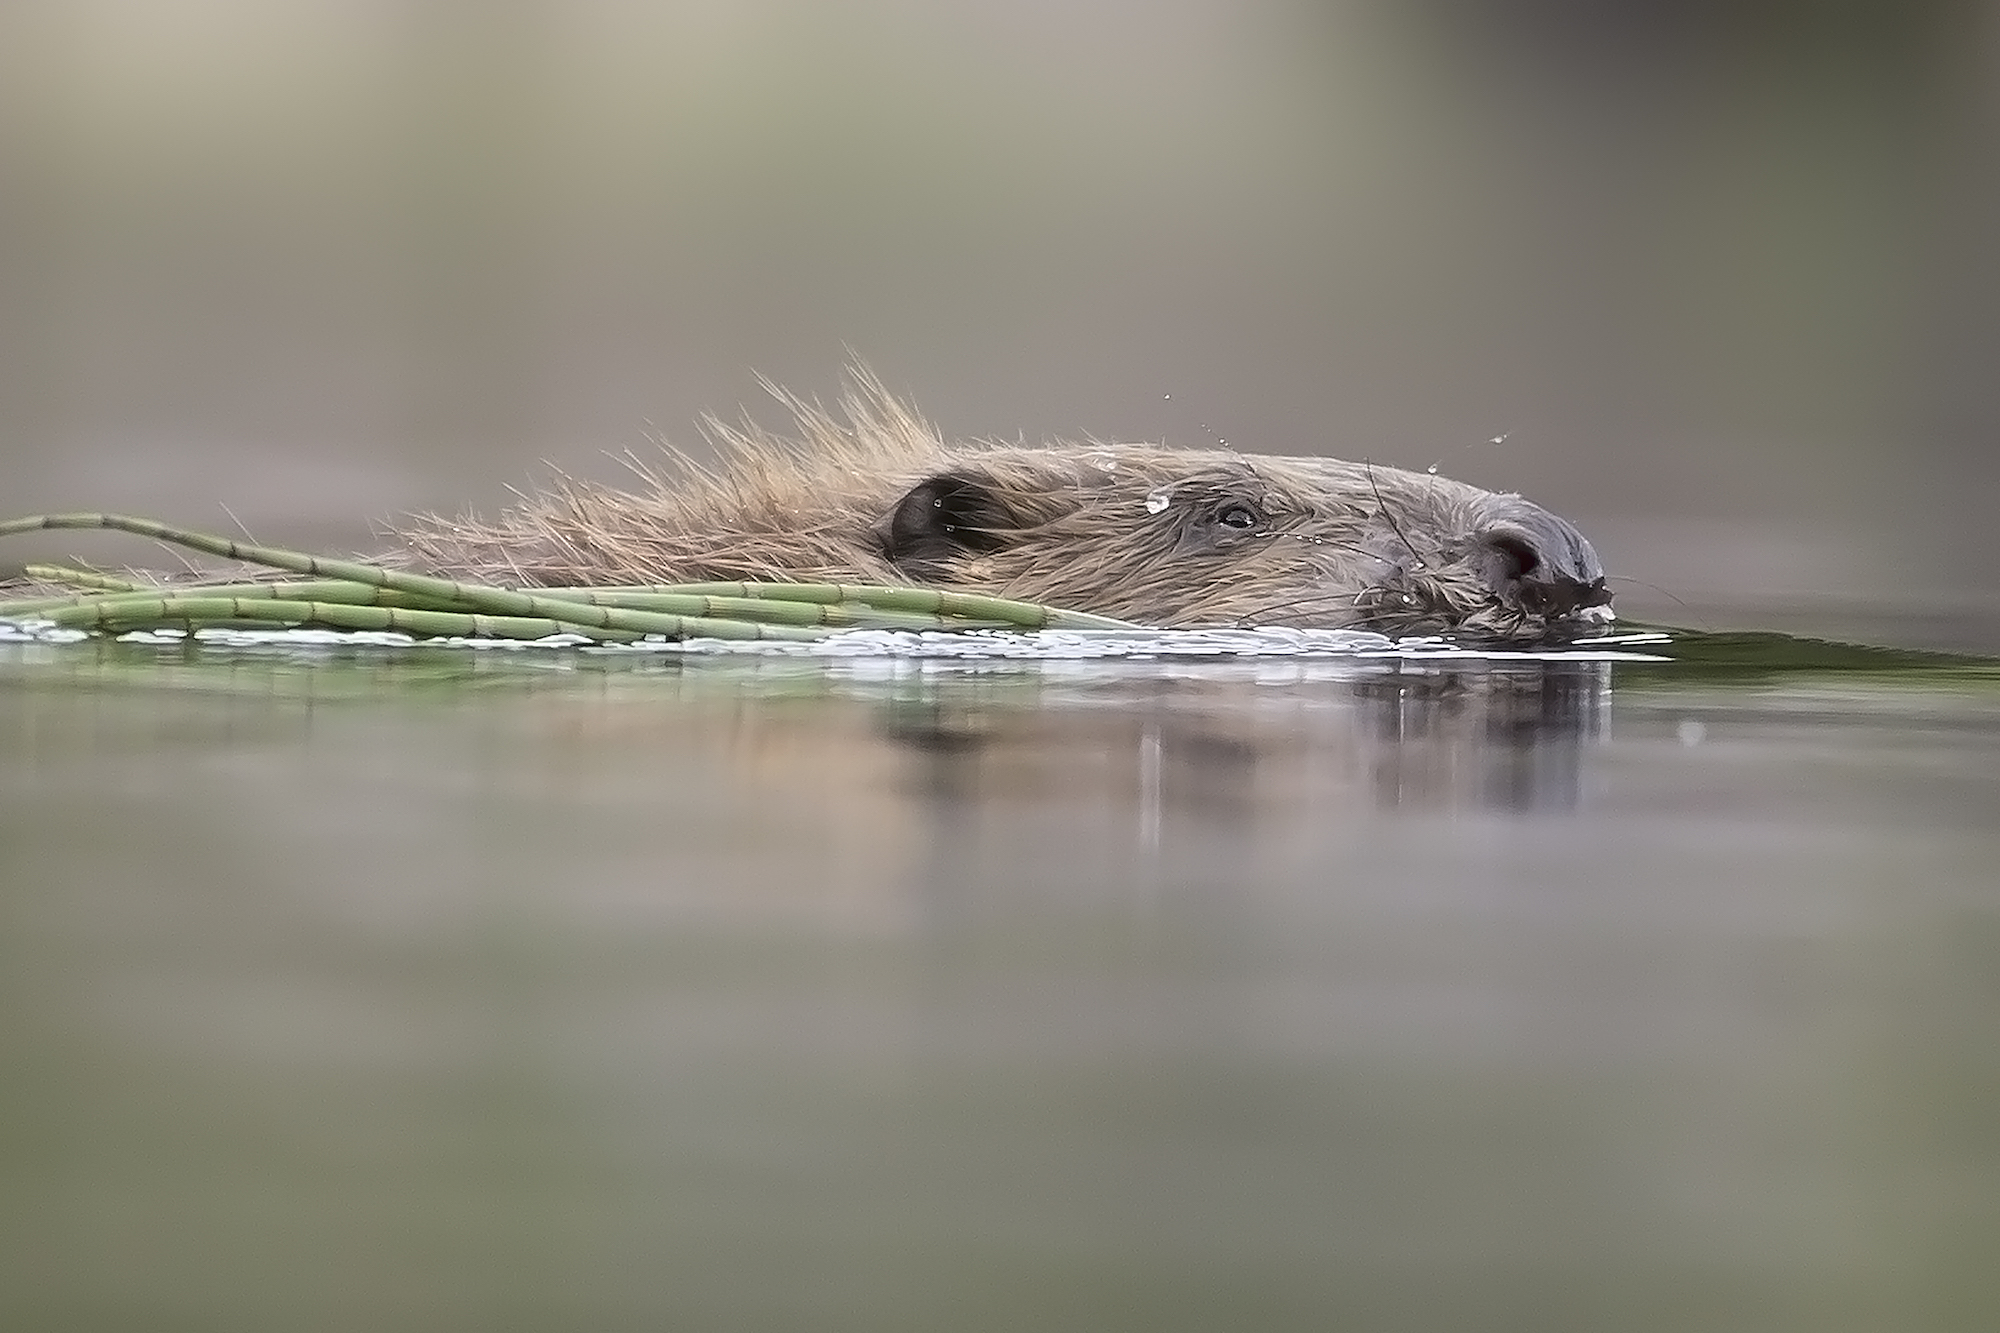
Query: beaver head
x=871 y=493
x=1177 y=537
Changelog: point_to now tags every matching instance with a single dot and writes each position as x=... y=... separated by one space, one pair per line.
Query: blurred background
x=478 y=991
x=1724 y=273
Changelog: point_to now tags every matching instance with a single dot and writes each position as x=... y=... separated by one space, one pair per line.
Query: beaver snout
x=1537 y=562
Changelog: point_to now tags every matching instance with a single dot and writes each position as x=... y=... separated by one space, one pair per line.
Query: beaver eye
x=1238 y=516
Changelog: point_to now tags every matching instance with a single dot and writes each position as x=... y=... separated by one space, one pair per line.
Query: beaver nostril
x=1536 y=562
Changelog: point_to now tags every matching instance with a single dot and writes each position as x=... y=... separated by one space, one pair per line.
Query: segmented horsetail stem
x=480 y=600
x=839 y=616
x=193 y=605
x=494 y=600
x=677 y=609
x=885 y=597
x=128 y=613
x=80 y=578
x=318 y=590
x=782 y=592
x=1022 y=615
x=63 y=576
x=197 y=611
x=311 y=590
x=829 y=613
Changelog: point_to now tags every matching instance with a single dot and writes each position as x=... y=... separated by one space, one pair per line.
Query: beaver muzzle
x=1535 y=562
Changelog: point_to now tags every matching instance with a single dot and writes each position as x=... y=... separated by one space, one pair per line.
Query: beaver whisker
x=1382 y=509
x=1654 y=587
x=1305 y=605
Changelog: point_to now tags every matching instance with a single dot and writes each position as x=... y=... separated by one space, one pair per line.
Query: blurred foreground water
x=451 y=990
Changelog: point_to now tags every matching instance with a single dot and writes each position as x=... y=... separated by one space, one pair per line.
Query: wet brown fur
x=871 y=493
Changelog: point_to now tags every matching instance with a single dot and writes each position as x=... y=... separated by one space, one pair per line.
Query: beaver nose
x=1537 y=561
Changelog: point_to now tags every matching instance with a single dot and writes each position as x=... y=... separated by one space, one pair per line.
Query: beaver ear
x=951 y=514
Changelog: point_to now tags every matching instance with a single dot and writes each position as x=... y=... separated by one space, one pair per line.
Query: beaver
x=870 y=492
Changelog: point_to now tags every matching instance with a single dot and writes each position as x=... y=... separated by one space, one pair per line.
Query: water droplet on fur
x=1432 y=469
x=1158 y=500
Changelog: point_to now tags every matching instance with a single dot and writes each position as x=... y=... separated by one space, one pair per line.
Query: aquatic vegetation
x=358 y=595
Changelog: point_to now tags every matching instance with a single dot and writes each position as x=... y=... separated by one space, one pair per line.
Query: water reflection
x=1233 y=753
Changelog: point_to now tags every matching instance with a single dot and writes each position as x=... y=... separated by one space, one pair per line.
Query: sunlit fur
x=1126 y=530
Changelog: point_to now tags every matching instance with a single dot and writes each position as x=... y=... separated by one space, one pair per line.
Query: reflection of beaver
x=1144 y=532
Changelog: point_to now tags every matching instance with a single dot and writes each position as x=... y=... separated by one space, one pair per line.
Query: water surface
x=453 y=990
